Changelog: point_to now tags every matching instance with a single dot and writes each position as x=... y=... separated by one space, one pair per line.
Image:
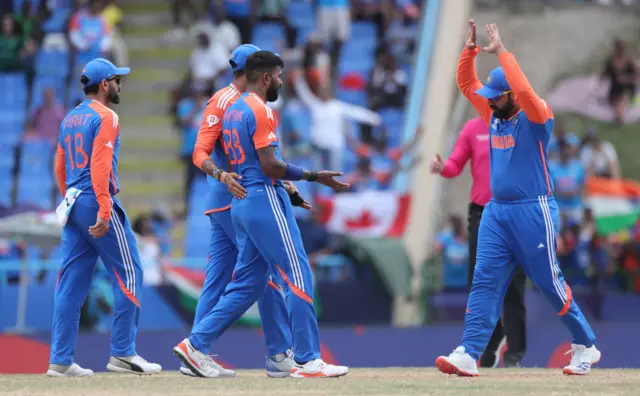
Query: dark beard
x=505 y=112
x=113 y=97
x=272 y=94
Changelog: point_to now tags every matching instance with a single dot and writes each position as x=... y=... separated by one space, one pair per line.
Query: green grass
x=392 y=381
x=147 y=165
x=136 y=30
x=145 y=120
x=148 y=189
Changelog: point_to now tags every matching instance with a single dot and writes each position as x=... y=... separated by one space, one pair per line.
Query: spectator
x=329 y=116
x=89 y=33
x=208 y=61
x=454 y=248
x=190 y=112
x=178 y=32
x=400 y=38
x=560 y=133
x=241 y=13
x=12 y=45
x=621 y=73
x=113 y=16
x=149 y=250
x=275 y=11
x=30 y=24
x=376 y=11
x=599 y=158
x=333 y=22
x=569 y=181
x=46 y=119
x=388 y=83
x=362 y=178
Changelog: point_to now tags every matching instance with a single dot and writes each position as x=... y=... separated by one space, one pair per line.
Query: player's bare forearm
x=273 y=167
x=208 y=167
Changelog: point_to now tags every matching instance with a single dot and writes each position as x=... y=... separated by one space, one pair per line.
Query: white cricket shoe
x=317 y=368
x=74 y=370
x=581 y=359
x=132 y=365
x=184 y=370
x=200 y=364
x=459 y=363
x=279 y=366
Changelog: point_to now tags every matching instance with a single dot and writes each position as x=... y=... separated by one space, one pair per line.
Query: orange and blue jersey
x=250 y=125
x=210 y=144
x=518 y=156
x=90 y=34
x=87 y=154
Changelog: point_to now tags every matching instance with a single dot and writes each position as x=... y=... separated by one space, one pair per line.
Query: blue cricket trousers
x=525 y=233
x=222 y=261
x=268 y=240
x=80 y=251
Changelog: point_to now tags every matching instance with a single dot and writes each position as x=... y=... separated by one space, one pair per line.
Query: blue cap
x=239 y=56
x=495 y=86
x=101 y=69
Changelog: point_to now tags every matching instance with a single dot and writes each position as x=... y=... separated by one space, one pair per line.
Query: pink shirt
x=473 y=143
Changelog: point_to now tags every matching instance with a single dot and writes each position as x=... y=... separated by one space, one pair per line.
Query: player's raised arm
x=101 y=162
x=536 y=109
x=467 y=77
x=61 y=171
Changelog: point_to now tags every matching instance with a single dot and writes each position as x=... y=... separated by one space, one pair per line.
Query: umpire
x=473 y=143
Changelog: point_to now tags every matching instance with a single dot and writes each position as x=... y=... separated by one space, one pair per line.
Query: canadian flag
x=366 y=214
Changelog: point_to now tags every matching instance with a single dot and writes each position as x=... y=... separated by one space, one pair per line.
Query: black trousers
x=513 y=319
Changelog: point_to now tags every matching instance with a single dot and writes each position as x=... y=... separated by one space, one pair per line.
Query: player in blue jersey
x=267 y=235
x=209 y=155
x=95 y=225
x=519 y=223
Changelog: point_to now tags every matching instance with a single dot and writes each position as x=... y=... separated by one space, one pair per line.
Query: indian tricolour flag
x=615 y=203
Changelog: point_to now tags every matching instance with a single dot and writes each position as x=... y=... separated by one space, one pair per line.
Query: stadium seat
x=35 y=190
x=7 y=183
x=269 y=36
x=36 y=158
x=54 y=64
x=362 y=65
x=7 y=157
x=358 y=97
x=14 y=91
x=58 y=20
x=300 y=14
x=363 y=29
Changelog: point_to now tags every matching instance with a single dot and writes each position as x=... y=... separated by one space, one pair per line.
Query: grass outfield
x=391 y=381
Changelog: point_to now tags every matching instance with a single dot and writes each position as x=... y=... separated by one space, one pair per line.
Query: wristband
x=296 y=199
x=293 y=172
x=217 y=173
x=313 y=176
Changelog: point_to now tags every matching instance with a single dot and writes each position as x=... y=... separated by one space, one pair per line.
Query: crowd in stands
x=346 y=77
x=589 y=259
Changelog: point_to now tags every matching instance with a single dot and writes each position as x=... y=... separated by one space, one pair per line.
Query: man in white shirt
x=329 y=119
x=600 y=157
x=208 y=60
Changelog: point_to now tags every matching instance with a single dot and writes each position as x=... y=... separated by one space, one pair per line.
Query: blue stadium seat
x=363 y=29
x=36 y=158
x=53 y=64
x=35 y=190
x=7 y=183
x=57 y=23
x=361 y=65
x=300 y=14
x=303 y=35
x=358 y=98
x=7 y=157
x=269 y=36
x=393 y=120
x=13 y=96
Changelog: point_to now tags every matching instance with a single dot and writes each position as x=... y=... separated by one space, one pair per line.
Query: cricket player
x=267 y=235
x=519 y=224
x=95 y=225
x=209 y=155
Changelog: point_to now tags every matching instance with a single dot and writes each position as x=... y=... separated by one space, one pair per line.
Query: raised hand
x=470 y=38
x=436 y=165
x=495 y=42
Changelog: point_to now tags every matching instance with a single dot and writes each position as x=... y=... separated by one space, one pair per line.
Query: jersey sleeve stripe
x=544 y=166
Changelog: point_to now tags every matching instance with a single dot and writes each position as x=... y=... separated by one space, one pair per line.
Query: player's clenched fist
x=327 y=178
x=100 y=228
